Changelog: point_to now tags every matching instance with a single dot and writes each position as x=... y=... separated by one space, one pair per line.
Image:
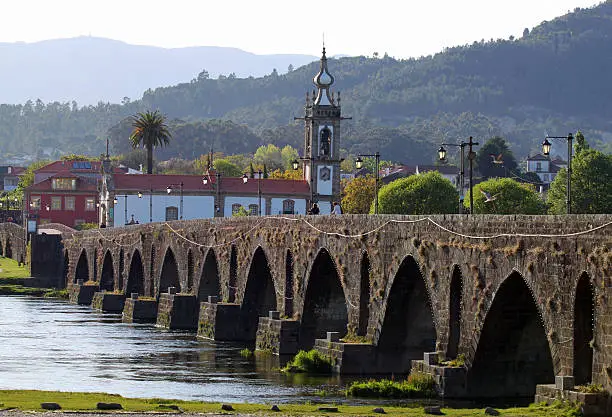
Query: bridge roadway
x=524 y=299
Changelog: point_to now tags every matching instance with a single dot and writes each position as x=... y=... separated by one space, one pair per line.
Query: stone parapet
x=220 y=321
x=140 y=311
x=108 y=302
x=82 y=294
x=277 y=336
x=177 y=312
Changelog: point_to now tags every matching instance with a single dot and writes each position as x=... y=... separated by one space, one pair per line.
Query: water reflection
x=53 y=345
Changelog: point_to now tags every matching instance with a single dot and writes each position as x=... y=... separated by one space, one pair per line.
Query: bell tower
x=321 y=162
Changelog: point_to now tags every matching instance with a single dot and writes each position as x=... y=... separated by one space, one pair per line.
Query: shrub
x=86 y=226
x=458 y=362
x=311 y=362
x=417 y=385
x=246 y=353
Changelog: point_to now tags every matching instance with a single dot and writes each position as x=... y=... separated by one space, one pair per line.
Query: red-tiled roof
x=193 y=183
x=92 y=166
x=45 y=185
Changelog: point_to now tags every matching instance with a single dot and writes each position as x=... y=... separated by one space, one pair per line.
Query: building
x=321 y=160
x=544 y=167
x=126 y=199
x=64 y=192
x=390 y=174
x=9 y=176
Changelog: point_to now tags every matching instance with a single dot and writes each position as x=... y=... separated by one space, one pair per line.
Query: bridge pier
x=450 y=380
x=108 y=302
x=276 y=335
x=348 y=358
x=177 y=311
x=82 y=294
x=593 y=404
x=137 y=310
x=220 y=321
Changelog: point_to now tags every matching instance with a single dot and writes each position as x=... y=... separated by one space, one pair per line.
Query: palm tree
x=150 y=130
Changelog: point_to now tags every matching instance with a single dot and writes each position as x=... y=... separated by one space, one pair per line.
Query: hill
x=554 y=79
x=90 y=69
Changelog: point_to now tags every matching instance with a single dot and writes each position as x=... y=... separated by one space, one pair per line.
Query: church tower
x=321 y=162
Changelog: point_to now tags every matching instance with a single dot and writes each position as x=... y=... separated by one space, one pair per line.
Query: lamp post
x=546 y=146
x=442 y=157
x=359 y=165
x=471 y=156
x=217 y=186
x=169 y=190
x=245 y=179
x=125 y=208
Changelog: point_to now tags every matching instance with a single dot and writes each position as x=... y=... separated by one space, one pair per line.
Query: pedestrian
x=336 y=209
x=315 y=209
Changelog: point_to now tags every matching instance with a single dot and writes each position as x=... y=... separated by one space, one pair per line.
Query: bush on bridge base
x=417 y=385
x=311 y=362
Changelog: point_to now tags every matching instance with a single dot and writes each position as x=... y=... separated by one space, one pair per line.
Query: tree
x=150 y=131
x=135 y=159
x=428 y=193
x=288 y=155
x=591 y=186
x=226 y=168
x=358 y=195
x=495 y=159
x=508 y=197
x=269 y=155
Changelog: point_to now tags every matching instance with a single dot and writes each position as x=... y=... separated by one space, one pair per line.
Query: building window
x=56 y=203
x=288 y=206
x=35 y=202
x=252 y=209
x=545 y=179
x=171 y=213
x=236 y=208
x=90 y=204
x=538 y=166
x=69 y=203
x=63 y=183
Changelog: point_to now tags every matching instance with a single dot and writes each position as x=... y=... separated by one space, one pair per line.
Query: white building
x=156 y=198
x=546 y=168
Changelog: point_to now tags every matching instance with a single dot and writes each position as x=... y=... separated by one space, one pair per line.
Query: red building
x=64 y=192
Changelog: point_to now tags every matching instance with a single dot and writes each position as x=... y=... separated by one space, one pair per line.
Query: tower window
x=325 y=142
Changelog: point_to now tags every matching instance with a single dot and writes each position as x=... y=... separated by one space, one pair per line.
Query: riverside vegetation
x=15 y=280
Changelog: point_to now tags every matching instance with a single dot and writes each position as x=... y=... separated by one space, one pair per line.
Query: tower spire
x=323 y=80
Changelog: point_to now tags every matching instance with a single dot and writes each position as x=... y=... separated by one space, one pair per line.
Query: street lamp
x=359 y=165
x=150 y=202
x=125 y=208
x=245 y=179
x=217 y=186
x=295 y=165
x=471 y=156
x=546 y=146
x=169 y=190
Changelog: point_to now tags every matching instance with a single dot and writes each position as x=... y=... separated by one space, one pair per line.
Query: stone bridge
x=523 y=299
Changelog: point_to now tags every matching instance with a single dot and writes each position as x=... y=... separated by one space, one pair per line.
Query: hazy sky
x=402 y=28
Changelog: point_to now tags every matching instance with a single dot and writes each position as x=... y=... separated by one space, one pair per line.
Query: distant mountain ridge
x=91 y=69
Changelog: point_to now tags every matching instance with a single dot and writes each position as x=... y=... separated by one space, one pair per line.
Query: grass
x=12 y=289
x=30 y=401
x=246 y=353
x=458 y=362
x=417 y=385
x=10 y=268
x=311 y=362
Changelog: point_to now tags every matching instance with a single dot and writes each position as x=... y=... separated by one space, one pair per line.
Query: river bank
x=14 y=403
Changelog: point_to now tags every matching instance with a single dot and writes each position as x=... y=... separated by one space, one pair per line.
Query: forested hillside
x=555 y=79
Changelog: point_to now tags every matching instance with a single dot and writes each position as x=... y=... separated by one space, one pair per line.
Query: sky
x=401 y=28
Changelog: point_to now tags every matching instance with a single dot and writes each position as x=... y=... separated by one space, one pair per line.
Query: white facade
x=161 y=206
x=246 y=202
x=299 y=206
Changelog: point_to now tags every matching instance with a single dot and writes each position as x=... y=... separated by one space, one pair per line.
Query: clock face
x=324 y=174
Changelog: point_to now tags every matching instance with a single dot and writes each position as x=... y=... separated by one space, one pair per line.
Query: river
x=53 y=345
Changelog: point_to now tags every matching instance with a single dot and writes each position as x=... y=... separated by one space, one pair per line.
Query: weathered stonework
x=108 y=302
x=277 y=336
x=82 y=294
x=177 y=312
x=402 y=283
x=220 y=321
x=592 y=404
x=139 y=311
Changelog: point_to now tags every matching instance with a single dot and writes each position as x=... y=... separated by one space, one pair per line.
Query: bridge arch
x=233 y=275
x=65 y=270
x=513 y=353
x=455 y=299
x=121 y=274
x=8 y=249
x=1 y=248
x=259 y=293
x=324 y=302
x=169 y=275
x=408 y=329
x=190 y=269
x=364 y=295
x=151 y=277
x=288 y=293
x=95 y=264
x=209 y=283
x=107 y=278
x=584 y=335
x=135 y=281
x=82 y=268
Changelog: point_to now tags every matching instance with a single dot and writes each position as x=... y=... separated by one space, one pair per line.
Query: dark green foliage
x=418 y=385
x=149 y=131
x=311 y=362
x=486 y=163
x=428 y=193
x=511 y=197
